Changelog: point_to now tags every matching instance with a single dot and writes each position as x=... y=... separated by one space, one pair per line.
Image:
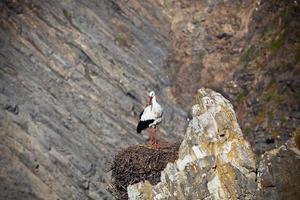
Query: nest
x=140 y=163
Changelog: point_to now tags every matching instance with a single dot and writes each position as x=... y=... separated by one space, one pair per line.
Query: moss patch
x=271 y=94
x=247 y=130
x=278 y=42
x=240 y=97
x=272 y=100
x=274 y=134
x=260 y=118
x=250 y=54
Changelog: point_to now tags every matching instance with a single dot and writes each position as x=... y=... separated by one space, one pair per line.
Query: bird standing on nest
x=151 y=116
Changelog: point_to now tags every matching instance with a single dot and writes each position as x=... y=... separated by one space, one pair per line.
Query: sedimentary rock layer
x=74 y=76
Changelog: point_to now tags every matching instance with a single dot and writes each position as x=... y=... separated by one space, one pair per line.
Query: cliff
x=248 y=50
x=74 y=75
x=278 y=175
x=215 y=161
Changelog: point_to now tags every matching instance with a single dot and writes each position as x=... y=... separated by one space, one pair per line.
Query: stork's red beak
x=150 y=100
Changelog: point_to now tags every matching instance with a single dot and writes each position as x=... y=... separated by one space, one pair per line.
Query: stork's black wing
x=143 y=125
x=141 y=115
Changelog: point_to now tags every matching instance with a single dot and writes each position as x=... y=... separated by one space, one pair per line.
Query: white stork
x=151 y=116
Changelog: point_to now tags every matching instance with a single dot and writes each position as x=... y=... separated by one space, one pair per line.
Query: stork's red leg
x=155 y=136
x=156 y=144
x=151 y=136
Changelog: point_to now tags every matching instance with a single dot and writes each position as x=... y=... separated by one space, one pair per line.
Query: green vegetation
x=272 y=100
x=260 y=118
x=278 y=42
x=271 y=95
x=247 y=130
x=283 y=67
x=250 y=54
x=274 y=134
x=240 y=97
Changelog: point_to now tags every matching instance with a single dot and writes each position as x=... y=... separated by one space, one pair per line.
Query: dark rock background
x=248 y=51
x=278 y=173
x=74 y=76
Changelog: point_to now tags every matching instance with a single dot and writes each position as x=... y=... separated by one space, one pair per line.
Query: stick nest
x=140 y=163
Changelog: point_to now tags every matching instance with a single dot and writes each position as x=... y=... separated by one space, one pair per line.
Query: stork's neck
x=154 y=100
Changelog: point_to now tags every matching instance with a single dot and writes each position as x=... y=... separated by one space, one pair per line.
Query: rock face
x=74 y=76
x=265 y=89
x=215 y=161
x=279 y=173
x=207 y=37
x=249 y=51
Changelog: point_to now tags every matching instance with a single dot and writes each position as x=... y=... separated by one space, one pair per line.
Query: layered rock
x=249 y=51
x=74 y=76
x=215 y=161
x=279 y=173
x=207 y=40
x=265 y=89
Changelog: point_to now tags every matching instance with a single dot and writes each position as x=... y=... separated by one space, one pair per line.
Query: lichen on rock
x=215 y=161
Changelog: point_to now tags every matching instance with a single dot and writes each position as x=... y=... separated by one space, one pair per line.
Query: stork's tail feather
x=143 y=125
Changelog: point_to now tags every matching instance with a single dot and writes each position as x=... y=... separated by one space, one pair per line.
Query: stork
x=150 y=117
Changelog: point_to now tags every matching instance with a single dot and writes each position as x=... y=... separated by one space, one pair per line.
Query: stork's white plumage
x=151 y=116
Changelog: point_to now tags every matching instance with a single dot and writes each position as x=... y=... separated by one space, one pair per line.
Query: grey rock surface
x=74 y=77
x=279 y=173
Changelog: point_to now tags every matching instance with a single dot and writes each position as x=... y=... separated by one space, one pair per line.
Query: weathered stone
x=279 y=173
x=74 y=76
x=215 y=161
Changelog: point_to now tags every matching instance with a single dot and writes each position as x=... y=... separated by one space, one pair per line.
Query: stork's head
x=151 y=95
